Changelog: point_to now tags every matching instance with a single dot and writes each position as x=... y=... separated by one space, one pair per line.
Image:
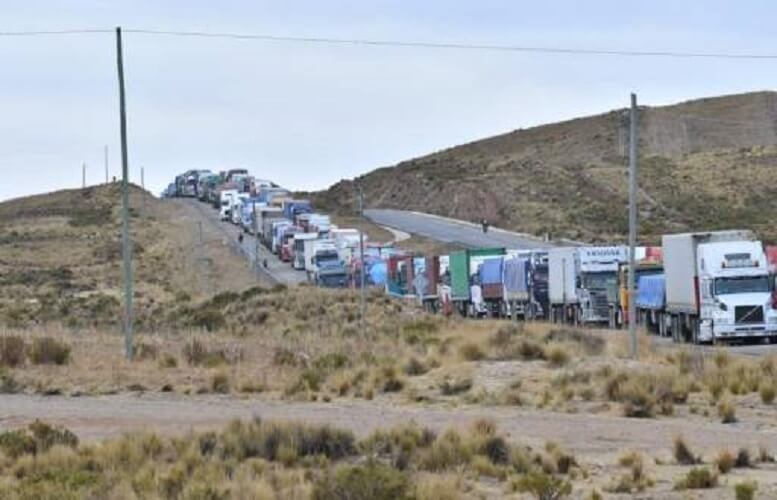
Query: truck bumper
x=722 y=332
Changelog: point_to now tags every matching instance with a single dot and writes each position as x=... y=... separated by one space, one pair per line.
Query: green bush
x=363 y=482
x=49 y=351
x=746 y=490
x=698 y=478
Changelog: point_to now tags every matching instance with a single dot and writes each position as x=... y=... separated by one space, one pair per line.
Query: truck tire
x=674 y=327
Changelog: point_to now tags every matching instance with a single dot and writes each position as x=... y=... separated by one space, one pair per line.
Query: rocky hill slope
x=704 y=164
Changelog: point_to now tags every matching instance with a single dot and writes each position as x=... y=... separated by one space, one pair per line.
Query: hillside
x=705 y=164
x=60 y=258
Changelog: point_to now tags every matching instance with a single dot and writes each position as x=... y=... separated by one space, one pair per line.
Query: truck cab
x=328 y=269
x=225 y=201
x=583 y=283
x=735 y=291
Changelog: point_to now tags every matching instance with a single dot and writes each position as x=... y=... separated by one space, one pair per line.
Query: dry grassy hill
x=705 y=164
x=60 y=258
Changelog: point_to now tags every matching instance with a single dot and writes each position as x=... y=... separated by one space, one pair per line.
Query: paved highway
x=276 y=270
x=458 y=232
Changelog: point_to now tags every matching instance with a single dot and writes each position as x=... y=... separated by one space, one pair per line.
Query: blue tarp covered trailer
x=491 y=271
x=516 y=278
x=651 y=292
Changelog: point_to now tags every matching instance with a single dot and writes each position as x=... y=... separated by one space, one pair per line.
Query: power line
x=678 y=54
x=55 y=32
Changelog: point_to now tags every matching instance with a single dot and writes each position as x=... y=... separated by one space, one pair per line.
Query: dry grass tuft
x=683 y=454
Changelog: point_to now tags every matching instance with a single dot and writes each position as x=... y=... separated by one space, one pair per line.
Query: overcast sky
x=308 y=115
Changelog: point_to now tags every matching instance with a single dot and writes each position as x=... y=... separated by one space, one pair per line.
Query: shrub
x=363 y=482
x=36 y=438
x=743 y=459
x=284 y=357
x=745 y=490
x=767 y=392
x=638 y=402
x=557 y=356
x=197 y=353
x=168 y=361
x=503 y=337
x=592 y=345
x=683 y=454
x=530 y=350
x=471 y=352
x=727 y=412
x=49 y=351
x=12 y=350
x=451 y=387
x=242 y=441
x=544 y=486
x=219 y=383
x=764 y=456
x=697 y=478
x=145 y=351
x=8 y=384
x=725 y=461
x=414 y=367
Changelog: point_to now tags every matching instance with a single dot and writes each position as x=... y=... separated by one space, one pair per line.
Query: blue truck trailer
x=651 y=303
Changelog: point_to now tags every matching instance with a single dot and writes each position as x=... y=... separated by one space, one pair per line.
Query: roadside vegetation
x=268 y=460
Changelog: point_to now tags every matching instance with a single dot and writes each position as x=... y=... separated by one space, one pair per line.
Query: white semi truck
x=718 y=287
x=582 y=282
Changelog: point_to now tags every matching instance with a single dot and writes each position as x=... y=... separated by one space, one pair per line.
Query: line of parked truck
x=287 y=227
x=696 y=287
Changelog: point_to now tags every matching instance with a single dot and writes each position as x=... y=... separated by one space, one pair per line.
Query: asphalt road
x=460 y=233
x=276 y=270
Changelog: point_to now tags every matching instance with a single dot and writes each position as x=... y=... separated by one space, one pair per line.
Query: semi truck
x=326 y=270
x=526 y=284
x=718 y=287
x=464 y=279
x=583 y=283
x=648 y=261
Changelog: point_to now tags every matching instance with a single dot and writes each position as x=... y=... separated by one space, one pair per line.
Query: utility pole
x=106 y=164
x=126 y=245
x=362 y=269
x=632 y=223
x=83 y=175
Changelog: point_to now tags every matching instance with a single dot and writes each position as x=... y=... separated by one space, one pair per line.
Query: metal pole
x=362 y=269
x=83 y=175
x=632 y=223
x=126 y=244
x=106 y=164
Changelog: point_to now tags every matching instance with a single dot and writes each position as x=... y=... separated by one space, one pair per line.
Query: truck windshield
x=600 y=280
x=748 y=284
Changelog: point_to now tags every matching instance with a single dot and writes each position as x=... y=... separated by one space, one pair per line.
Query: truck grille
x=748 y=314
x=599 y=303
